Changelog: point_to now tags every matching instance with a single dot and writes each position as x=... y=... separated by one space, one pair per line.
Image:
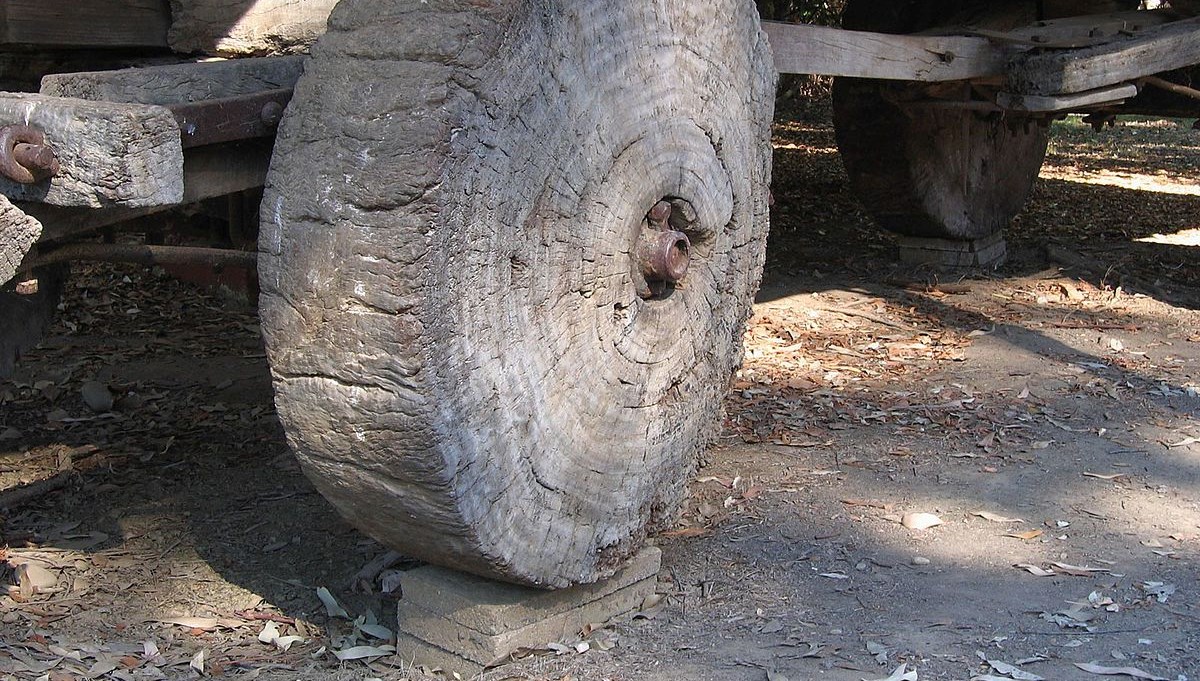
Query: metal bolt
x=664 y=256
x=25 y=157
x=271 y=114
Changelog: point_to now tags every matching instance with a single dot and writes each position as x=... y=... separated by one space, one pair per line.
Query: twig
x=867 y=315
x=11 y=498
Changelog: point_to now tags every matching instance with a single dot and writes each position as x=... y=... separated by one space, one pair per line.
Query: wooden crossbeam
x=1156 y=50
x=85 y=23
x=819 y=50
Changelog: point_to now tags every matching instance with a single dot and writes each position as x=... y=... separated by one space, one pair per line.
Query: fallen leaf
x=1034 y=570
x=901 y=674
x=878 y=651
x=197 y=661
x=835 y=575
x=1013 y=671
x=986 y=515
x=1031 y=534
x=687 y=532
x=1105 y=476
x=1076 y=570
x=364 y=652
x=1159 y=590
x=920 y=521
x=331 y=605
x=1093 y=668
x=773 y=675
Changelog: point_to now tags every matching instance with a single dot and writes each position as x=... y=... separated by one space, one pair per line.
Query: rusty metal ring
x=34 y=148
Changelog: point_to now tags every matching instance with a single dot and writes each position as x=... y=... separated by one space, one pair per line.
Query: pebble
x=920 y=560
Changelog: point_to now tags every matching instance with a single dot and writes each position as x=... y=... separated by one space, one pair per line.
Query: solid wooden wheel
x=925 y=171
x=508 y=250
x=27 y=307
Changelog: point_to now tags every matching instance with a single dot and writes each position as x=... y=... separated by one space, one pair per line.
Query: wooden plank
x=208 y=172
x=1081 y=31
x=1116 y=94
x=178 y=83
x=818 y=50
x=247 y=27
x=1155 y=50
x=111 y=154
x=85 y=23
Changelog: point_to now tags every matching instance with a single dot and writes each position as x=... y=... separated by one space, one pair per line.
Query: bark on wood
x=247 y=27
x=18 y=233
x=461 y=359
x=111 y=154
x=178 y=83
x=819 y=50
x=1152 y=51
x=84 y=23
x=942 y=173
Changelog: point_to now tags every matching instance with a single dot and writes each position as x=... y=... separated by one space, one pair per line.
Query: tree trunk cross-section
x=461 y=358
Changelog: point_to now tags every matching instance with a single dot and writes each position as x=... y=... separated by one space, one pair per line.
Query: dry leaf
x=1093 y=668
x=331 y=605
x=901 y=674
x=1031 y=534
x=1034 y=570
x=197 y=661
x=920 y=521
x=1076 y=570
x=685 y=532
x=996 y=518
x=363 y=652
x=1105 y=476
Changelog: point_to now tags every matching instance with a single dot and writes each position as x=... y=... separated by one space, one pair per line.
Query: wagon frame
x=506 y=250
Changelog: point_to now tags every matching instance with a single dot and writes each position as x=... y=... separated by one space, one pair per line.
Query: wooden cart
x=507 y=247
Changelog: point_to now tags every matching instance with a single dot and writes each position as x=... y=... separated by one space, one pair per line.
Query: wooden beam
x=1117 y=94
x=208 y=172
x=85 y=23
x=818 y=50
x=110 y=154
x=240 y=28
x=1152 y=51
x=178 y=83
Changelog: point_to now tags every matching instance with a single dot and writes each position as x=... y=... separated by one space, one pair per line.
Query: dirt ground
x=1044 y=415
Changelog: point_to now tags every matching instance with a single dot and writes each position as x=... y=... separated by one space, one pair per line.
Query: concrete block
x=464 y=623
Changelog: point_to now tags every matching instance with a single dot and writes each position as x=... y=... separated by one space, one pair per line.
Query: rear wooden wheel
x=485 y=351
x=933 y=172
x=27 y=306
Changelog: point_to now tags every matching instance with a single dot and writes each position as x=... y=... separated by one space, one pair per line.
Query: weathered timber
x=146 y=254
x=461 y=358
x=1078 y=31
x=1073 y=102
x=178 y=83
x=18 y=233
x=1152 y=51
x=84 y=23
x=247 y=27
x=818 y=50
x=207 y=172
x=109 y=154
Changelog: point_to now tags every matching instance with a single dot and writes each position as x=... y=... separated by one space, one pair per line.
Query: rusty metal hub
x=662 y=253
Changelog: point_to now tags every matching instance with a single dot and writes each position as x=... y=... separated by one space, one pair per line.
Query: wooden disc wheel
x=26 y=308
x=933 y=171
x=508 y=250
